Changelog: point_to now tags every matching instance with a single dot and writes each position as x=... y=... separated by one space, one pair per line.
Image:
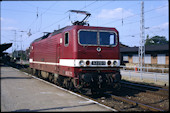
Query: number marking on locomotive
x=98 y=63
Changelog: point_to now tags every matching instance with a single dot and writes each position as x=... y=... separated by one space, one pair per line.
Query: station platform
x=21 y=92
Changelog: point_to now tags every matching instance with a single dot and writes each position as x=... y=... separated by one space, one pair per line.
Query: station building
x=155 y=56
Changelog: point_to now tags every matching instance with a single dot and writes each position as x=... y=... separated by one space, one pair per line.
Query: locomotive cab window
x=107 y=38
x=66 y=39
x=97 y=38
x=88 y=37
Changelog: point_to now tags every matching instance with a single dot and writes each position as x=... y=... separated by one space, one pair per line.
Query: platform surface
x=21 y=92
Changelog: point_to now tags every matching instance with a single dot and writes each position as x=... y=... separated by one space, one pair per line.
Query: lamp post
x=21 y=58
x=13 y=53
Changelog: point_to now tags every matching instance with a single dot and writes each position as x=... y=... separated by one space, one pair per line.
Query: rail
x=144 y=106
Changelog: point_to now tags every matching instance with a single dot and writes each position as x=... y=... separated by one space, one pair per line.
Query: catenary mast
x=141 y=51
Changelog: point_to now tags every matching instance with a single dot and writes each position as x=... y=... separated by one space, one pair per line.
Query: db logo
x=98 y=49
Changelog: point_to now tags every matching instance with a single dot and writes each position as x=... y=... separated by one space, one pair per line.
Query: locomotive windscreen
x=88 y=37
x=102 y=38
x=107 y=38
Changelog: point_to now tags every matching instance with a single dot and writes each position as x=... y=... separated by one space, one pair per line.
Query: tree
x=156 y=40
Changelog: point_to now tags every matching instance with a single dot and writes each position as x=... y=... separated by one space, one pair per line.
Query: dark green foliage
x=156 y=40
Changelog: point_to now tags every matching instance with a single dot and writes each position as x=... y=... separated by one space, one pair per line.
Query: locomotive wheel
x=97 y=91
x=31 y=71
x=51 y=78
x=67 y=83
x=39 y=74
x=117 y=86
x=55 y=80
x=94 y=91
x=71 y=86
x=60 y=80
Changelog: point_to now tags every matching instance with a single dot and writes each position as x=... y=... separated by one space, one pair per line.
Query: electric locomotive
x=78 y=56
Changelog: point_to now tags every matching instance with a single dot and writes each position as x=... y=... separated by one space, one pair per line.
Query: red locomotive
x=78 y=56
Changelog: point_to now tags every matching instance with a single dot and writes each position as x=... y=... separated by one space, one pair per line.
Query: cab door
x=58 y=53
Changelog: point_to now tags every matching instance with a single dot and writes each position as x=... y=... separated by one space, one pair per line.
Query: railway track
x=158 y=99
x=121 y=103
x=154 y=90
x=150 y=98
x=134 y=103
x=131 y=104
x=124 y=100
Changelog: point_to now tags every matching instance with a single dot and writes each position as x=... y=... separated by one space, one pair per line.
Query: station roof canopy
x=5 y=46
x=148 y=48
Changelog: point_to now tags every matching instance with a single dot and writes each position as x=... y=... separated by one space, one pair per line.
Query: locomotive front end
x=98 y=59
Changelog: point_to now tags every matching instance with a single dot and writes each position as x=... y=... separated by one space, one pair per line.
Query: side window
x=66 y=39
x=135 y=58
x=161 y=59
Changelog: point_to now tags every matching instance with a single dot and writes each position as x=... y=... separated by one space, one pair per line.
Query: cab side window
x=66 y=39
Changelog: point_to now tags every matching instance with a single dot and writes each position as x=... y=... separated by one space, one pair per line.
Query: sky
x=20 y=18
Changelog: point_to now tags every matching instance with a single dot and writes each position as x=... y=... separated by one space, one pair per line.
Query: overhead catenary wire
x=108 y=3
x=37 y=15
x=29 y=27
x=135 y=15
x=89 y=5
x=82 y=8
x=146 y=19
x=49 y=8
x=31 y=5
x=34 y=12
x=116 y=20
x=91 y=8
x=63 y=18
x=44 y=13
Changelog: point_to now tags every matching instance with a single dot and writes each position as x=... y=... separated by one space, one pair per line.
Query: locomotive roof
x=60 y=31
x=53 y=33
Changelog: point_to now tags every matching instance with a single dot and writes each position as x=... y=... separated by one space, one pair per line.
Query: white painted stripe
x=49 y=63
x=30 y=60
x=75 y=62
x=67 y=62
x=106 y=60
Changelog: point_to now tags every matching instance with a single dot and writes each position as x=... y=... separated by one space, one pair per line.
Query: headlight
x=87 y=63
x=81 y=63
x=114 y=63
x=109 y=62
